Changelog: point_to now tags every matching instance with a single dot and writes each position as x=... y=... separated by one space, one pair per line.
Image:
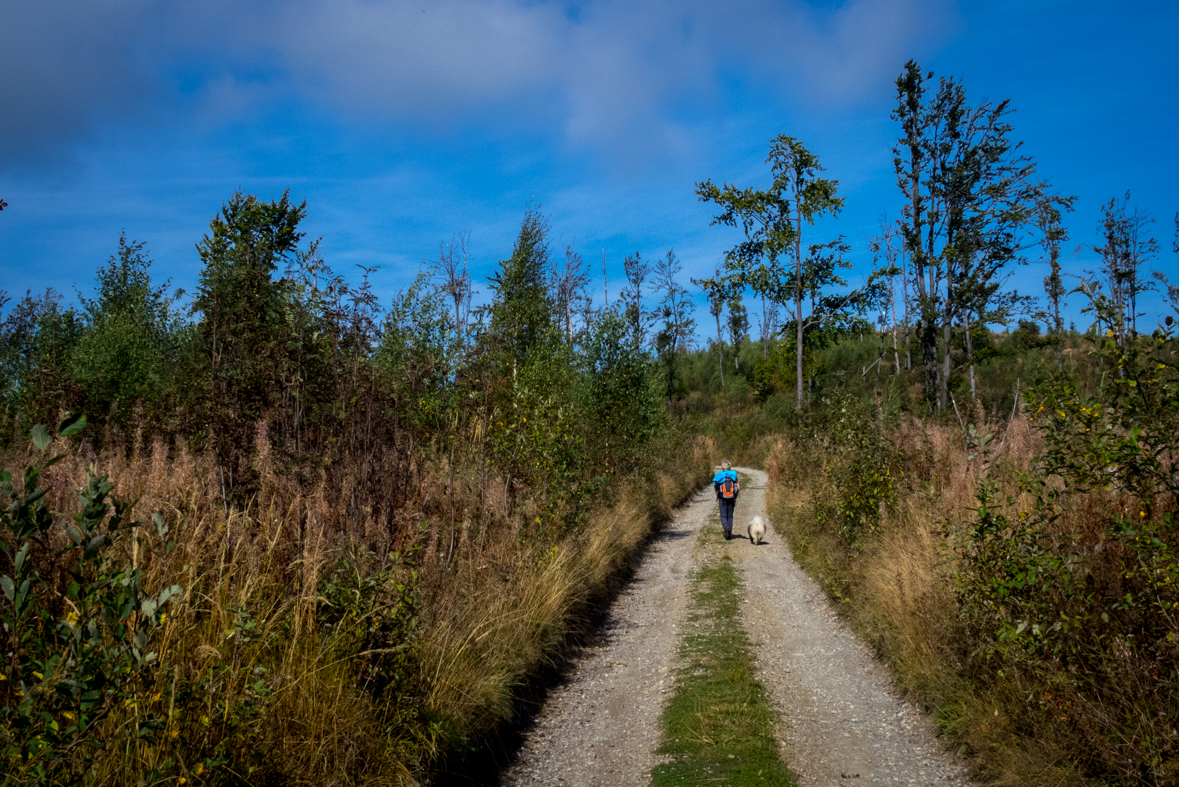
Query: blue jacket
x=719 y=478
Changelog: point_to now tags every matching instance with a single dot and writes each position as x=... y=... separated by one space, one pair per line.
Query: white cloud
x=610 y=73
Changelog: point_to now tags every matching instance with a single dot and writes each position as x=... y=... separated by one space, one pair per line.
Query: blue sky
x=403 y=123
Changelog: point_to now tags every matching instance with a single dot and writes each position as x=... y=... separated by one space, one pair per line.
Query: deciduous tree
x=970 y=202
x=1053 y=233
x=638 y=318
x=770 y=259
x=738 y=325
x=129 y=348
x=714 y=292
x=675 y=310
x=1124 y=248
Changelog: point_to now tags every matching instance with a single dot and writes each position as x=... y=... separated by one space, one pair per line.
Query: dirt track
x=840 y=719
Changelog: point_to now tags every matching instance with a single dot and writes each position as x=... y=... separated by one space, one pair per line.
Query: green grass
x=719 y=727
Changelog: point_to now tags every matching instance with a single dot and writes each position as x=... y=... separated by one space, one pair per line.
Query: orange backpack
x=729 y=488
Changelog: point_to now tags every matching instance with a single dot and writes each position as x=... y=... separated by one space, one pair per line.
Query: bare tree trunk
x=766 y=329
x=970 y=358
x=720 y=350
x=947 y=360
x=605 y=280
x=798 y=295
x=798 y=341
x=908 y=324
x=926 y=295
x=892 y=300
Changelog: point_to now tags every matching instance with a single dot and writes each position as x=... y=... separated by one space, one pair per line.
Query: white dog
x=756 y=530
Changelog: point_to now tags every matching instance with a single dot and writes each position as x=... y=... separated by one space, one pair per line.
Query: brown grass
x=253 y=679
x=896 y=587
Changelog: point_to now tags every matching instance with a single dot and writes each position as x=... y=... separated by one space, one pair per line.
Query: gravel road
x=840 y=719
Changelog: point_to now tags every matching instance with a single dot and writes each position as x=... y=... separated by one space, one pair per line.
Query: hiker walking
x=726 y=486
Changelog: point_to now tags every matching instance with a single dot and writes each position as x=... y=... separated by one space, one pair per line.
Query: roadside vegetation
x=1016 y=570
x=298 y=537
x=995 y=512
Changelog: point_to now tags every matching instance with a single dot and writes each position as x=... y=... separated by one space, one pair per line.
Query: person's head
x=725 y=465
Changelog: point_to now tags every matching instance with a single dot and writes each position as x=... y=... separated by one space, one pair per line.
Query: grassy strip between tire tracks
x=719 y=726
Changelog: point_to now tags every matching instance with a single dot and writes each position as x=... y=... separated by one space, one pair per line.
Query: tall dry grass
x=896 y=585
x=504 y=610
x=271 y=661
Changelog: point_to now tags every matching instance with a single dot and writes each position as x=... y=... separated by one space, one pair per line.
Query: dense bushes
x=1069 y=588
x=1019 y=577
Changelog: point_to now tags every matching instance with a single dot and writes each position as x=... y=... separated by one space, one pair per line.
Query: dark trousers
x=726 y=512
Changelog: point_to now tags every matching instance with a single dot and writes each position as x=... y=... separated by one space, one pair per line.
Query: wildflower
x=38 y=676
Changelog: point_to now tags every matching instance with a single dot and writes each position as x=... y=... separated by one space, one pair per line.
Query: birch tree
x=770 y=259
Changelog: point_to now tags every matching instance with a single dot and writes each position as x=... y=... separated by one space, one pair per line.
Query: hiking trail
x=841 y=722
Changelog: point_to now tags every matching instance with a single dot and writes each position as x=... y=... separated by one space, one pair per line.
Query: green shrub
x=77 y=654
x=1070 y=587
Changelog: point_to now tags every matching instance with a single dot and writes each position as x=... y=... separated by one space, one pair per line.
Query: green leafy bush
x=78 y=653
x=863 y=466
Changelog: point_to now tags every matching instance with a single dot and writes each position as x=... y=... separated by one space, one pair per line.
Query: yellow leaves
x=69 y=716
x=38 y=676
